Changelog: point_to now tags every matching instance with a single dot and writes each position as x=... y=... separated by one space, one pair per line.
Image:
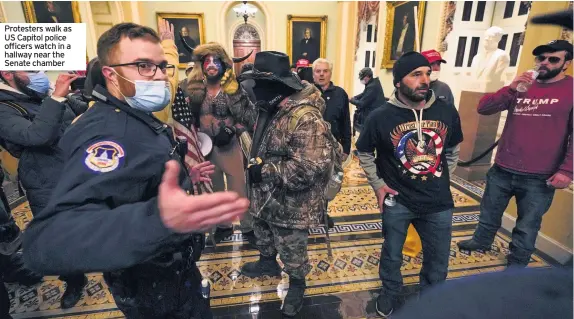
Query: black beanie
x=406 y=64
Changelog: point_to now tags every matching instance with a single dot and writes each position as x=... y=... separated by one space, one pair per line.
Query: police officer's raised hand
x=63 y=84
x=184 y=213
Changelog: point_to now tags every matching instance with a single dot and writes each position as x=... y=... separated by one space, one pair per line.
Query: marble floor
x=343 y=286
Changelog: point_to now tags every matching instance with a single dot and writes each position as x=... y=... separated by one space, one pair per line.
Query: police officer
x=31 y=125
x=112 y=211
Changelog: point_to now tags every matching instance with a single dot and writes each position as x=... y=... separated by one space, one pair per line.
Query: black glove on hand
x=224 y=136
x=255 y=173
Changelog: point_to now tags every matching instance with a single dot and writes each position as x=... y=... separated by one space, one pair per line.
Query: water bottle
x=334 y=185
x=205 y=288
x=523 y=86
x=390 y=200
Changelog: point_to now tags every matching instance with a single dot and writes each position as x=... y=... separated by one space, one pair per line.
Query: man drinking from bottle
x=534 y=154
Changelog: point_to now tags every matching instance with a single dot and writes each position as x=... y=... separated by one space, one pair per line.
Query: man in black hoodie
x=32 y=123
x=371 y=98
x=416 y=138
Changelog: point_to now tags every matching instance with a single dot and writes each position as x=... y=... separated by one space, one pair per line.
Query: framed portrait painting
x=306 y=37
x=400 y=29
x=191 y=27
x=51 y=11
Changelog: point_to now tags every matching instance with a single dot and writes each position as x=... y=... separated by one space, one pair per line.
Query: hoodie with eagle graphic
x=416 y=151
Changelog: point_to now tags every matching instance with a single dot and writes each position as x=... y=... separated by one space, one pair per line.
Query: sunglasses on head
x=551 y=59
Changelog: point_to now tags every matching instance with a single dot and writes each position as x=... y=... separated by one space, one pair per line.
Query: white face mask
x=151 y=96
x=434 y=76
x=364 y=82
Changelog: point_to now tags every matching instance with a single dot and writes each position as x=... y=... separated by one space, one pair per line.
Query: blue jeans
x=533 y=199
x=435 y=231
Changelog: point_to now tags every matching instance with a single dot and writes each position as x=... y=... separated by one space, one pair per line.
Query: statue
x=489 y=64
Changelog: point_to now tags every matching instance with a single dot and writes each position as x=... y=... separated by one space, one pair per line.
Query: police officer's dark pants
x=533 y=199
x=291 y=244
x=151 y=292
x=435 y=232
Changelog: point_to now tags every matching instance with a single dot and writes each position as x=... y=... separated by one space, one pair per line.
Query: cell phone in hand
x=78 y=84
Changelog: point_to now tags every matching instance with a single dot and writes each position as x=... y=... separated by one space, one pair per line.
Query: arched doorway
x=245 y=39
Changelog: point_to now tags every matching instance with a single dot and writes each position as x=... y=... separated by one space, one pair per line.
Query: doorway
x=245 y=39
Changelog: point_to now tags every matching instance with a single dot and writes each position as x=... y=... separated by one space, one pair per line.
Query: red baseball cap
x=433 y=56
x=302 y=63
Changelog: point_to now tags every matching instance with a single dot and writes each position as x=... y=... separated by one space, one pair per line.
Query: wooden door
x=242 y=48
x=245 y=39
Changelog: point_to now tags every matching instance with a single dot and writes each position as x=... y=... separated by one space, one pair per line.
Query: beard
x=20 y=86
x=412 y=94
x=213 y=79
x=550 y=73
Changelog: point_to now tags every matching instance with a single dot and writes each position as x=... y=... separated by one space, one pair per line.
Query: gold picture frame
x=196 y=32
x=62 y=11
x=298 y=25
x=392 y=35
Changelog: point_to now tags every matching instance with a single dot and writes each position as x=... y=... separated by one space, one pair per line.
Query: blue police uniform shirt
x=104 y=209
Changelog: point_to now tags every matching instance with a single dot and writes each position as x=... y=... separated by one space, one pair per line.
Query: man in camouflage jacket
x=288 y=183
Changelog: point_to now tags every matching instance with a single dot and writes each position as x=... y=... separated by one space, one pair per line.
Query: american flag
x=183 y=126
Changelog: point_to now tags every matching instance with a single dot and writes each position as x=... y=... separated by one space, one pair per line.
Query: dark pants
x=150 y=292
x=4 y=301
x=533 y=199
x=291 y=244
x=75 y=280
x=435 y=232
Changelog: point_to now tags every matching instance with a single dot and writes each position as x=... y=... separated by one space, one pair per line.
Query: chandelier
x=245 y=10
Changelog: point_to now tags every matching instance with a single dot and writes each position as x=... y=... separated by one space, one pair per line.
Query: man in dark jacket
x=32 y=123
x=336 y=101
x=336 y=107
x=440 y=89
x=371 y=98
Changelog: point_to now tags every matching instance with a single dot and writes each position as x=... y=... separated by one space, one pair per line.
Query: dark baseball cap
x=553 y=46
x=561 y=18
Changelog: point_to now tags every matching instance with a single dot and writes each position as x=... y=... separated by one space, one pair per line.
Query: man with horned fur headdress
x=224 y=112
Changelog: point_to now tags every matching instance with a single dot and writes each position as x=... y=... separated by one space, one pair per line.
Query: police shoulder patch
x=104 y=156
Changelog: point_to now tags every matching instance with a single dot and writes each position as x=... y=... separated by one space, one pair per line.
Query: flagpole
x=417 y=38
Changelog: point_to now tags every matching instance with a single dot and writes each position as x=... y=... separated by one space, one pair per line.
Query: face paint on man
x=212 y=68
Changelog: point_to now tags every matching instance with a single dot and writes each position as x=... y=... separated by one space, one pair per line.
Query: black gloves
x=255 y=173
x=224 y=137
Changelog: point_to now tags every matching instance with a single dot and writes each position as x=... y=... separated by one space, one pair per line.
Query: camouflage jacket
x=295 y=165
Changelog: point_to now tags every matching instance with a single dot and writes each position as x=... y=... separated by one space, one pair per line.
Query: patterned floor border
x=355 y=228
